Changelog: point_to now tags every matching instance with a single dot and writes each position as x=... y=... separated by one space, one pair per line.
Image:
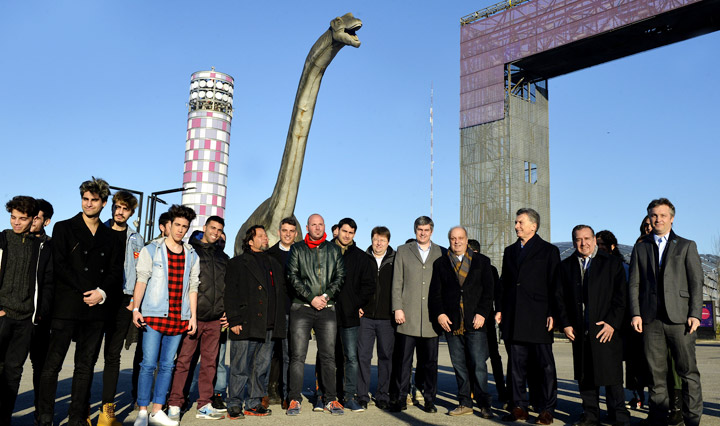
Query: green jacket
x=314 y=272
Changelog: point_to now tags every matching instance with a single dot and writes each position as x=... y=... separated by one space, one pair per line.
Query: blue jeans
x=223 y=370
x=155 y=343
x=249 y=361
x=469 y=354
x=349 y=340
x=302 y=320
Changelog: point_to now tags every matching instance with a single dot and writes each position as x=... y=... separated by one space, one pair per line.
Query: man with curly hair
x=23 y=278
x=87 y=273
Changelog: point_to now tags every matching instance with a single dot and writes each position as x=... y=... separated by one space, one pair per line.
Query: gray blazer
x=411 y=282
x=682 y=276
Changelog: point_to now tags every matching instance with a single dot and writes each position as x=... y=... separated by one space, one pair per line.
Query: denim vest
x=152 y=268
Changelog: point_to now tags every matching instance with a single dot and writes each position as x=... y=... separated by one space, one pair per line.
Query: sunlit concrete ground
x=568 y=409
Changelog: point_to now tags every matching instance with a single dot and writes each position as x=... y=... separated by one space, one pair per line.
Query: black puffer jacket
x=211 y=293
x=380 y=307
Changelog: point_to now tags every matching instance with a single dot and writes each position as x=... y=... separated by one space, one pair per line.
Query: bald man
x=316 y=273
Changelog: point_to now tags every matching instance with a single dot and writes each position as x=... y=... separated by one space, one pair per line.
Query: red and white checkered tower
x=208 y=145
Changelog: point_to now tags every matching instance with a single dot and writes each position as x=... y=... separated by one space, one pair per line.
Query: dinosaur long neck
x=284 y=196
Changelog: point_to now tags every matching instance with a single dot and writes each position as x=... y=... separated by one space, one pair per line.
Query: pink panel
x=209 y=114
x=489 y=43
x=201 y=210
x=188 y=166
x=207 y=143
x=212 y=75
x=224 y=125
x=214 y=200
x=212 y=166
x=186 y=177
x=195 y=155
x=218 y=156
x=199 y=176
x=196 y=122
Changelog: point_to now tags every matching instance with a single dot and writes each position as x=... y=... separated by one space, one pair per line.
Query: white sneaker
x=209 y=413
x=174 y=412
x=142 y=418
x=161 y=419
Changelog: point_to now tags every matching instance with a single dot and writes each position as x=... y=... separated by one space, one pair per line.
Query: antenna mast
x=432 y=162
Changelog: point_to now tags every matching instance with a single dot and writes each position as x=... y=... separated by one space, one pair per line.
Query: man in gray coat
x=666 y=281
x=411 y=281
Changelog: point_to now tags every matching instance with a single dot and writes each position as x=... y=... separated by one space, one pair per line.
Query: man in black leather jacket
x=316 y=273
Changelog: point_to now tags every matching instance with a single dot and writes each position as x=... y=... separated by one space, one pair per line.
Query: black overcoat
x=358 y=288
x=82 y=262
x=445 y=292
x=528 y=291
x=246 y=297
x=607 y=295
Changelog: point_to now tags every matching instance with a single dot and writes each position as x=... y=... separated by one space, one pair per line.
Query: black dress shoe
x=363 y=404
x=398 y=407
x=430 y=408
x=517 y=413
x=383 y=405
x=585 y=422
x=486 y=413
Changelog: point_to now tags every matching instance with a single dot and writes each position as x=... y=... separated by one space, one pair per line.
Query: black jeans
x=384 y=331
x=302 y=320
x=115 y=331
x=15 y=337
x=87 y=335
x=38 y=353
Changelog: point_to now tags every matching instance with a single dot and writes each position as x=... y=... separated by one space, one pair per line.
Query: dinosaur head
x=343 y=30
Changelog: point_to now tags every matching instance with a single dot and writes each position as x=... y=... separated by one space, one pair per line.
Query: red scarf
x=313 y=244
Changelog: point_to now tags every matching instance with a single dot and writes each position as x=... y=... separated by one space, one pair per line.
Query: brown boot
x=107 y=416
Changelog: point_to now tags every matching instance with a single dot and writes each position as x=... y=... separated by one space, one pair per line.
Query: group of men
x=84 y=285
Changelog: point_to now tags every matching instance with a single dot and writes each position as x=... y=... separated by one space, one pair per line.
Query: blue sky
x=100 y=88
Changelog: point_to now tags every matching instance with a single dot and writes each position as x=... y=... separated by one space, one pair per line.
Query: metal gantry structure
x=508 y=51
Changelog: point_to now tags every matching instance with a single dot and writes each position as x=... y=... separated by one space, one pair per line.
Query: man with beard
x=254 y=298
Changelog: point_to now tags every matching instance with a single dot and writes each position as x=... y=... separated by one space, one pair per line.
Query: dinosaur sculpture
x=281 y=203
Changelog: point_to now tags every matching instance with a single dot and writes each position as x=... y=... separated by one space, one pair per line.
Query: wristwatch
x=327 y=298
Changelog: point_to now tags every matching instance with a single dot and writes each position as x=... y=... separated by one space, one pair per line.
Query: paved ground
x=567 y=411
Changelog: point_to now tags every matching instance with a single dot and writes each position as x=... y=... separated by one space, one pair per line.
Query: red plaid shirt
x=172 y=325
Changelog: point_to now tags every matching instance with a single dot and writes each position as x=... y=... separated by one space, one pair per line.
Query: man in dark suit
x=666 y=280
x=525 y=314
x=591 y=307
